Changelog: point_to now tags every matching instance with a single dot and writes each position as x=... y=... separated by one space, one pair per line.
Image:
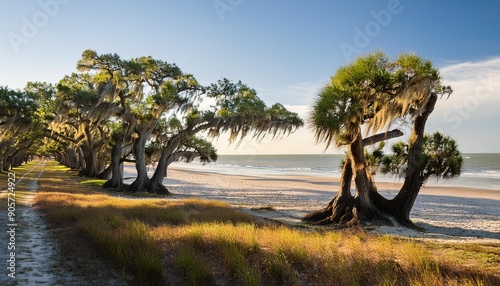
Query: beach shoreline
x=450 y=214
x=428 y=189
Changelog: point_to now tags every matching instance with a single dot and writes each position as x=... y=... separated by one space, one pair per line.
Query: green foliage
x=396 y=162
x=239 y=110
x=46 y=97
x=331 y=116
x=372 y=91
x=20 y=125
x=194 y=267
x=199 y=148
x=21 y=104
x=374 y=157
x=441 y=158
x=236 y=100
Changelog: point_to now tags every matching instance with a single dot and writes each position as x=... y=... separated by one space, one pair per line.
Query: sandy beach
x=446 y=213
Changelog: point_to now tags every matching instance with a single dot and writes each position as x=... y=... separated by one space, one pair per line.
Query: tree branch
x=382 y=137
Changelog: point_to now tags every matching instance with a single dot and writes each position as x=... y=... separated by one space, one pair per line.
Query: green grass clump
x=195 y=269
x=277 y=267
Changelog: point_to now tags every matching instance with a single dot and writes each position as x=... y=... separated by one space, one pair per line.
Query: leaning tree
x=236 y=110
x=367 y=97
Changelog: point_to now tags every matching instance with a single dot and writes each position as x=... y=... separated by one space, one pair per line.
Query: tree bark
x=142 y=182
x=71 y=158
x=414 y=179
x=340 y=208
x=382 y=137
x=87 y=155
x=116 y=180
x=344 y=208
x=1 y=156
x=166 y=158
x=156 y=186
x=366 y=210
x=7 y=151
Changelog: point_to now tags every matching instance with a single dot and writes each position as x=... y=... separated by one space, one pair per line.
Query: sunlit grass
x=96 y=182
x=208 y=242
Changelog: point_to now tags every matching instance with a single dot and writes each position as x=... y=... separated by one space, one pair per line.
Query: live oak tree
x=174 y=142
x=237 y=109
x=118 y=83
x=368 y=96
x=81 y=121
x=148 y=90
x=19 y=126
x=145 y=89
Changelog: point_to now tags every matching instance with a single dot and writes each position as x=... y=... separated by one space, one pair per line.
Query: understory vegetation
x=196 y=242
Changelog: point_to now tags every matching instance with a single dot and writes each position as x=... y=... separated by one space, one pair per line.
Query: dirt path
x=37 y=254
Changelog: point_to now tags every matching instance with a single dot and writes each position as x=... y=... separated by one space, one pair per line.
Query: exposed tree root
x=345 y=212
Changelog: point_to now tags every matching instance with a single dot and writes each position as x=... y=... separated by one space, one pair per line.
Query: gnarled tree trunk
x=362 y=178
x=400 y=206
x=116 y=180
x=156 y=186
x=344 y=208
x=339 y=210
x=142 y=182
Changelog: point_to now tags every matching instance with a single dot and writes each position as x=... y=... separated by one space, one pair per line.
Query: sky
x=286 y=50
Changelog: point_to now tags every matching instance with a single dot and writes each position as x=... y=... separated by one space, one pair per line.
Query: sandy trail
x=37 y=255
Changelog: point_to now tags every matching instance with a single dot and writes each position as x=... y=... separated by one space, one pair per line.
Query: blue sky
x=285 y=49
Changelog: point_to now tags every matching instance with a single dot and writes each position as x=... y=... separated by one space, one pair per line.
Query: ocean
x=479 y=170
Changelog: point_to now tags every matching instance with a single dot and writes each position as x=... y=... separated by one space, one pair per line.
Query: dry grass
x=196 y=242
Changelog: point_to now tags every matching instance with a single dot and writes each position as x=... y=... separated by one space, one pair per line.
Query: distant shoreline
x=483 y=180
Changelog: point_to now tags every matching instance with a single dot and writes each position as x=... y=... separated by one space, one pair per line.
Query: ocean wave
x=483 y=174
x=295 y=169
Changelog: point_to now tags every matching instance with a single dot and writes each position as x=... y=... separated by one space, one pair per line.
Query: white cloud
x=302 y=93
x=470 y=70
x=302 y=110
x=471 y=112
x=476 y=90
